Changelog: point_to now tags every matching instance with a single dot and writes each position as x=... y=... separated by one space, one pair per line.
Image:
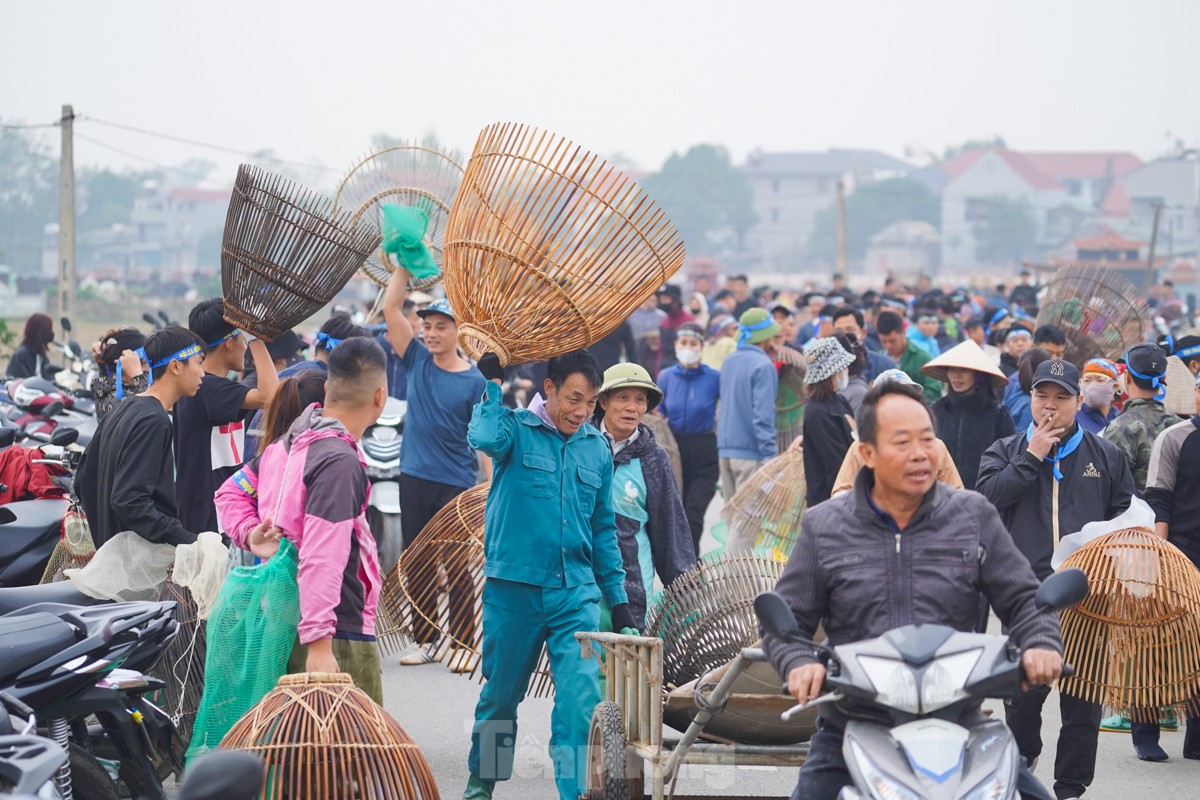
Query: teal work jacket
x=549 y=519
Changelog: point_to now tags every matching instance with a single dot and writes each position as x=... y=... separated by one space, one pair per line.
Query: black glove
x=489 y=365
x=622 y=619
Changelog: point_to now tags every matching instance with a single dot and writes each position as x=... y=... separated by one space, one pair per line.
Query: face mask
x=841 y=381
x=1098 y=394
x=687 y=358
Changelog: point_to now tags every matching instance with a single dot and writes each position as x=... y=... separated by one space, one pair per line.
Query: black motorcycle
x=76 y=664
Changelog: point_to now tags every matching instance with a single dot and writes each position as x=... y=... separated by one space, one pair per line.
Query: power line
x=18 y=126
x=140 y=157
x=197 y=143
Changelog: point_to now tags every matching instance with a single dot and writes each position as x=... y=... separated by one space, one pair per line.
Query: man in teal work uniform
x=550 y=545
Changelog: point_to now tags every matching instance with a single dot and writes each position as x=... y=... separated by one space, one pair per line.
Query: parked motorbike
x=911 y=698
x=30 y=529
x=70 y=660
x=39 y=407
x=381 y=447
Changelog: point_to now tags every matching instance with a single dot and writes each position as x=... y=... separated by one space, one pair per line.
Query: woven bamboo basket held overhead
x=322 y=738
x=405 y=174
x=1101 y=313
x=548 y=248
x=285 y=253
x=1135 y=639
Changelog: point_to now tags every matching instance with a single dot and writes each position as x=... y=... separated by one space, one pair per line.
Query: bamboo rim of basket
x=477 y=341
x=306 y=678
x=384 y=259
x=413 y=147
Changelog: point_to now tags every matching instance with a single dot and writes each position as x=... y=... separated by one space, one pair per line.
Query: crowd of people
x=928 y=414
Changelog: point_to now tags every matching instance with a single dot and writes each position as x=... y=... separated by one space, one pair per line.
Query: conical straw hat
x=967 y=355
x=1181 y=391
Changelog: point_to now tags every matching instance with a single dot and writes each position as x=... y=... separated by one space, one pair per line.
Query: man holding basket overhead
x=551 y=552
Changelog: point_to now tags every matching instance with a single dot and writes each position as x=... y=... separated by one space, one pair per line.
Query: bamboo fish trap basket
x=548 y=248
x=414 y=607
x=769 y=506
x=1135 y=639
x=286 y=252
x=405 y=174
x=321 y=737
x=1101 y=313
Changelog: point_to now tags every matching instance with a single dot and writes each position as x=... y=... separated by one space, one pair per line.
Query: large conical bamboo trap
x=181 y=665
x=1135 y=639
x=657 y=424
x=321 y=737
x=404 y=174
x=1101 y=313
x=548 y=247
x=768 y=507
x=706 y=616
x=790 y=399
x=286 y=252
x=432 y=597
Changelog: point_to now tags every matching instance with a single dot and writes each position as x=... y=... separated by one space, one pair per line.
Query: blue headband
x=328 y=340
x=999 y=315
x=224 y=338
x=141 y=352
x=744 y=331
x=1188 y=352
x=1155 y=380
x=182 y=355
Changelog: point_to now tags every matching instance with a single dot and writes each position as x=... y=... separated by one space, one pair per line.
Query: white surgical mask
x=1098 y=394
x=686 y=357
x=841 y=381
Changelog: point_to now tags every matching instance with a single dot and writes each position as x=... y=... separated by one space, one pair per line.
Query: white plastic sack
x=125 y=568
x=1138 y=515
x=201 y=568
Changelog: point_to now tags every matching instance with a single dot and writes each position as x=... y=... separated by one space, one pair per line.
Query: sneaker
x=1115 y=724
x=462 y=660
x=417 y=659
x=1168 y=721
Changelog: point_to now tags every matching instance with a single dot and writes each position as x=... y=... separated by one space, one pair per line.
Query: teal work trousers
x=518 y=618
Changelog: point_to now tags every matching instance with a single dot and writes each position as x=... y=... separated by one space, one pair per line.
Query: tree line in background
x=707 y=197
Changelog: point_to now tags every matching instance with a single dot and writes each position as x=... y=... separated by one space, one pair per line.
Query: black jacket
x=827 y=437
x=609 y=350
x=126 y=479
x=25 y=364
x=1096 y=485
x=969 y=423
x=854 y=573
x=1008 y=365
x=667 y=527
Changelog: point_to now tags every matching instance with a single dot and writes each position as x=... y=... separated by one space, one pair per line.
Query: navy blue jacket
x=690 y=398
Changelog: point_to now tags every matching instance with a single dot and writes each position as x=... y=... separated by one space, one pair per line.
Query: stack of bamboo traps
x=1101 y=313
x=768 y=507
x=433 y=596
x=286 y=252
x=1135 y=639
x=409 y=174
x=706 y=616
x=548 y=247
x=321 y=737
x=657 y=424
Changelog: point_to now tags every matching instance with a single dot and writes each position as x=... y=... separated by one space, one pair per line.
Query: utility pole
x=66 y=218
x=1148 y=280
x=842 y=260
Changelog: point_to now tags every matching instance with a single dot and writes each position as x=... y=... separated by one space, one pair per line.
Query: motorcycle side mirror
x=1062 y=590
x=150 y=319
x=223 y=775
x=64 y=436
x=7 y=437
x=53 y=409
x=66 y=324
x=76 y=350
x=775 y=615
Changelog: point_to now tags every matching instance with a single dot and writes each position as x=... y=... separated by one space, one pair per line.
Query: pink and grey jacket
x=312 y=483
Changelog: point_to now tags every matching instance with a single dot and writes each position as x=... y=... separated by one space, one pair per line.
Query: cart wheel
x=608 y=775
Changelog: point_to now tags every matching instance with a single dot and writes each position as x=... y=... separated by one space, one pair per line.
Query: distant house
x=905 y=250
x=790 y=189
x=1173 y=183
x=1065 y=191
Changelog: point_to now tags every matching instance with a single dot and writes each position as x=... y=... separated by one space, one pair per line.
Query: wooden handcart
x=626 y=735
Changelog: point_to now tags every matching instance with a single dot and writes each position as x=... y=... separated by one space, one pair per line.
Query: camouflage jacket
x=1134 y=431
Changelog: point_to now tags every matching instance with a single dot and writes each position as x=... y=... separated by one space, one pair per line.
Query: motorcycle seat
x=29 y=639
x=15 y=598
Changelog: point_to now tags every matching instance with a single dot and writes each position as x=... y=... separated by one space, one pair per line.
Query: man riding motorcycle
x=901 y=549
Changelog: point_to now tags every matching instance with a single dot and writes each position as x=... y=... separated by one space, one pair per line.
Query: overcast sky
x=313 y=80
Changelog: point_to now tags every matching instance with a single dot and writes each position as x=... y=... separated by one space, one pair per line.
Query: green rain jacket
x=549 y=519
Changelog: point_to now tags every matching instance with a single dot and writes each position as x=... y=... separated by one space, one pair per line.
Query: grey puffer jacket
x=853 y=571
x=667 y=527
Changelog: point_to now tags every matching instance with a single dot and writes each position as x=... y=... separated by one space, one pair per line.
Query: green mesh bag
x=251 y=632
x=404 y=239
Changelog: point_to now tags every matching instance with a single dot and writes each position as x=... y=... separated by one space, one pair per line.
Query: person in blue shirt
x=691 y=391
x=551 y=553
x=1098 y=387
x=1020 y=384
x=436 y=463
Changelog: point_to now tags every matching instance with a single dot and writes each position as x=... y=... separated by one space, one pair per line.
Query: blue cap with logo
x=439 y=306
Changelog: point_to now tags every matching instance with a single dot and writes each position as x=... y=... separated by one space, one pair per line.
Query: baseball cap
x=285 y=346
x=1146 y=361
x=1057 y=371
x=671 y=290
x=439 y=306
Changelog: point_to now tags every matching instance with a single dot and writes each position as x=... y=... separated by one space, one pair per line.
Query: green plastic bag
x=251 y=632
x=404 y=239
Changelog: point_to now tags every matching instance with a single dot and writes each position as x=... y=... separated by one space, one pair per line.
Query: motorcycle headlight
x=894 y=682
x=997 y=785
x=881 y=786
x=944 y=679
